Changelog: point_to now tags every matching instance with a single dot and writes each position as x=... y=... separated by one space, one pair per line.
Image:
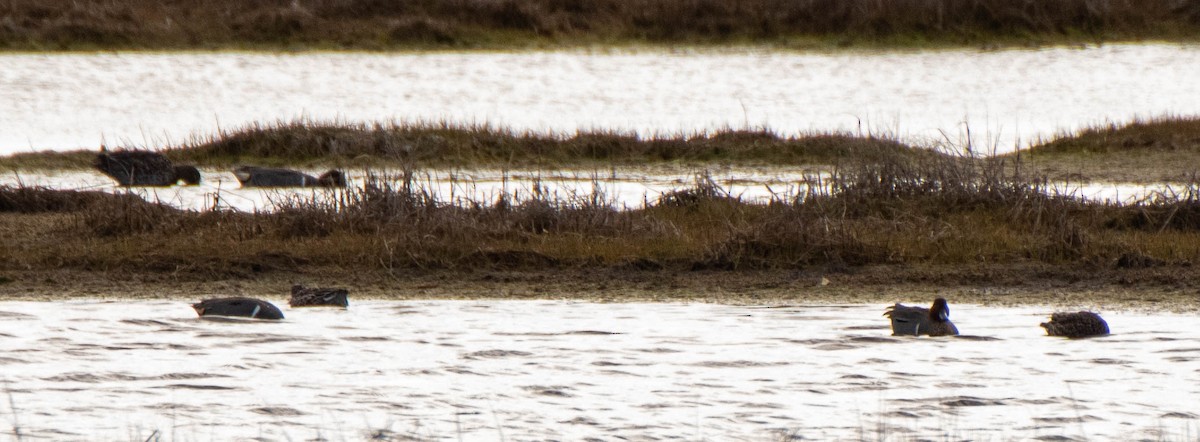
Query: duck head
x=940 y=311
x=332 y=178
x=189 y=174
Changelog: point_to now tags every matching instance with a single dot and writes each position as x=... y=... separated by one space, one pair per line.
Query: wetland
x=591 y=249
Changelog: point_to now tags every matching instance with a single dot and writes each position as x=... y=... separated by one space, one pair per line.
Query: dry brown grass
x=875 y=228
x=888 y=216
x=376 y=24
x=1158 y=150
x=443 y=144
x=902 y=211
x=1144 y=151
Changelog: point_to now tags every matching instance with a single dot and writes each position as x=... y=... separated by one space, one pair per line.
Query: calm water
x=67 y=101
x=621 y=189
x=522 y=370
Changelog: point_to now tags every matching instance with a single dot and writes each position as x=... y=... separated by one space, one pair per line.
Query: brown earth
x=1154 y=288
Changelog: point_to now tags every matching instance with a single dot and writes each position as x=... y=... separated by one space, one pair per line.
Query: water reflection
x=438 y=370
x=80 y=100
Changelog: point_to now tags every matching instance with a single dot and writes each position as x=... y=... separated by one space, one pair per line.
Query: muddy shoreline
x=1170 y=288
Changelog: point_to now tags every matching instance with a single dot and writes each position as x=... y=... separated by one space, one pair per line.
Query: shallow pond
x=1007 y=98
x=548 y=370
x=620 y=189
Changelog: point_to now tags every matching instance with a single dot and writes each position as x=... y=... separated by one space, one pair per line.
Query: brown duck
x=315 y=297
x=1075 y=325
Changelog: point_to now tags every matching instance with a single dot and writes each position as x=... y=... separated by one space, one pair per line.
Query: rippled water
x=79 y=100
x=525 y=370
x=621 y=189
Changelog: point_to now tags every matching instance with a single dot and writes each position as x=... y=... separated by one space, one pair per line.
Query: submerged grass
x=894 y=211
x=424 y=24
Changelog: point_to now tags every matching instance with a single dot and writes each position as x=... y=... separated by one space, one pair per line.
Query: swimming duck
x=917 y=321
x=306 y=297
x=1075 y=325
x=143 y=168
x=238 y=306
x=252 y=176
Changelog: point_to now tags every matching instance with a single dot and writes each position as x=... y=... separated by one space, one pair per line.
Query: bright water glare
x=547 y=370
x=1009 y=97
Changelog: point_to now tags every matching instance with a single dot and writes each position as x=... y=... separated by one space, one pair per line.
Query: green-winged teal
x=238 y=306
x=917 y=321
x=252 y=176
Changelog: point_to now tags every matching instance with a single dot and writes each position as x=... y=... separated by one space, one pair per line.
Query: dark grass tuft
x=378 y=25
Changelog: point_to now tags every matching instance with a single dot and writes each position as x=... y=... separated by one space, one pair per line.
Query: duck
x=253 y=176
x=1080 y=324
x=238 y=306
x=917 y=321
x=315 y=297
x=143 y=168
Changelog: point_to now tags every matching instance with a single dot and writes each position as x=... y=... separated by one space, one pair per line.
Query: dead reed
x=938 y=210
x=374 y=24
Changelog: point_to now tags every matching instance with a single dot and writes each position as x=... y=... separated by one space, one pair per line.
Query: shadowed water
x=80 y=100
x=540 y=370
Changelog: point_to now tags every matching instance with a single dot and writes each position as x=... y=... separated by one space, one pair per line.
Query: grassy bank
x=937 y=220
x=1159 y=150
x=447 y=145
x=424 y=24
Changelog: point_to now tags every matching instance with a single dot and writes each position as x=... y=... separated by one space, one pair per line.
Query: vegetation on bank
x=445 y=145
x=1159 y=150
x=431 y=24
x=898 y=211
x=1151 y=151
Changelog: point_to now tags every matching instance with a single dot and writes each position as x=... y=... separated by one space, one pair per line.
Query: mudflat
x=1171 y=288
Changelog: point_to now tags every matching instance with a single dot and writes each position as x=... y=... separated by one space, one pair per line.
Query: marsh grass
x=1164 y=149
x=445 y=144
x=377 y=25
x=901 y=210
x=1143 y=151
x=442 y=144
x=1139 y=136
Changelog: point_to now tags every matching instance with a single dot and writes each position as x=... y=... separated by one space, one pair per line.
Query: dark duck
x=252 y=176
x=917 y=321
x=143 y=168
x=239 y=307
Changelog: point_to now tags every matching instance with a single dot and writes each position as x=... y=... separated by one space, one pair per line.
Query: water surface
x=620 y=189
x=1006 y=98
x=545 y=370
